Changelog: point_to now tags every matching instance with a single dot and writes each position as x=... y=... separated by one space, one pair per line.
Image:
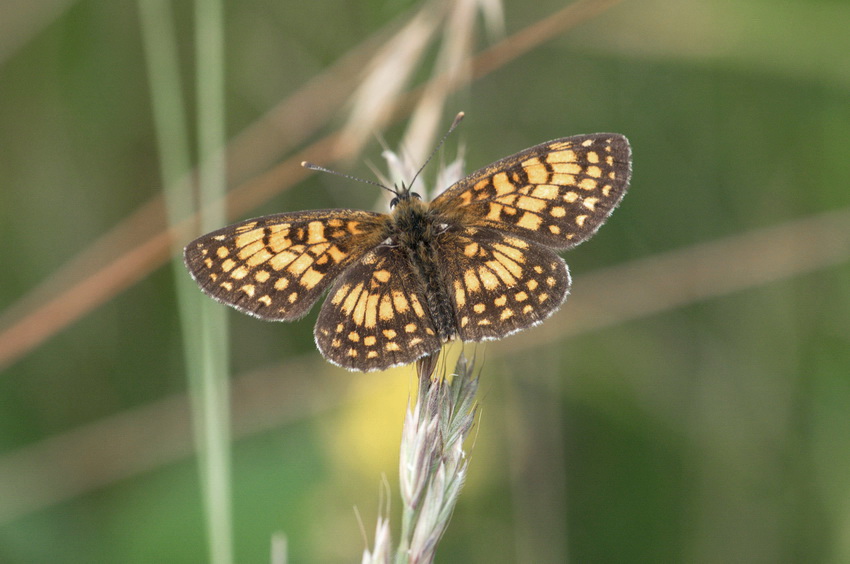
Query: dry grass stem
x=452 y=71
x=432 y=462
x=383 y=550
x=387 y=77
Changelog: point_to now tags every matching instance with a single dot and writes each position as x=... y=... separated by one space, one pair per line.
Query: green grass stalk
x=210 y=394
x=203 y=323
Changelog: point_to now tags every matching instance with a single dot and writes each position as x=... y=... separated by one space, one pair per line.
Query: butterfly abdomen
x=439 y=304
x=416 y=231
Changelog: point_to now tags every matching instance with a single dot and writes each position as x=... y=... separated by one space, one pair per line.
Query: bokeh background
x=690 y=403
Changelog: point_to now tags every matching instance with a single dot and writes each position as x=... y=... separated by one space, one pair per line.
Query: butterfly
x=477 y=263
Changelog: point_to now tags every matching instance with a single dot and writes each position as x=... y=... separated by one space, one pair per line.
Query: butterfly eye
x=394 y=202
x=415 y=195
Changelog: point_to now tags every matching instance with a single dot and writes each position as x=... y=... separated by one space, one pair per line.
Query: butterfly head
x=403 y=194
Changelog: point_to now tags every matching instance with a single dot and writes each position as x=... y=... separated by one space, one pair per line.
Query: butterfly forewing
x=500 y=284
x=375 y=315
x=556 y=193
x=276 y=267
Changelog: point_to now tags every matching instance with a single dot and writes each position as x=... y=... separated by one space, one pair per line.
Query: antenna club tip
x=458 y=118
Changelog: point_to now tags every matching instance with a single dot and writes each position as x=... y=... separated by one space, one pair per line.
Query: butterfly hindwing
x=500 y=284
x=556 y=193
x=275 y=267
x=375 y=315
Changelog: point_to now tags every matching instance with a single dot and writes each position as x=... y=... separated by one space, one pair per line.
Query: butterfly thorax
x=415 y=229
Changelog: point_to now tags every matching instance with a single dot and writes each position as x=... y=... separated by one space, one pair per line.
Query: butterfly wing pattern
x=477 y=263
x=374 y=314
x=277 y=266
x=500 y=284
x=505 y=276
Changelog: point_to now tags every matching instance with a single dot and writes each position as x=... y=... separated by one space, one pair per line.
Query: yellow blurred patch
x=364 y=435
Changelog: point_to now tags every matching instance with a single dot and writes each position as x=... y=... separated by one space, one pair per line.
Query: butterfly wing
x=275 y=267
x=374 y=316
x=500 y=284
x=557 y=193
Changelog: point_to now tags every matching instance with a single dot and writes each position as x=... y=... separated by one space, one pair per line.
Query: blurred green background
x=704 y=417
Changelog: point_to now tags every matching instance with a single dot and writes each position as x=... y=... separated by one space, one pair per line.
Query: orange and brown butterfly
x=478 y=262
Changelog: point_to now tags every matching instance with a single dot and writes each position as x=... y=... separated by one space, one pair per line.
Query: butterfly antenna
x=311 y=166
x=452 y=127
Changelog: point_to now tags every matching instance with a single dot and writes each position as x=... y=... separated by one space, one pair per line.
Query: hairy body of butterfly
x=477 y=263
x=417 y=232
